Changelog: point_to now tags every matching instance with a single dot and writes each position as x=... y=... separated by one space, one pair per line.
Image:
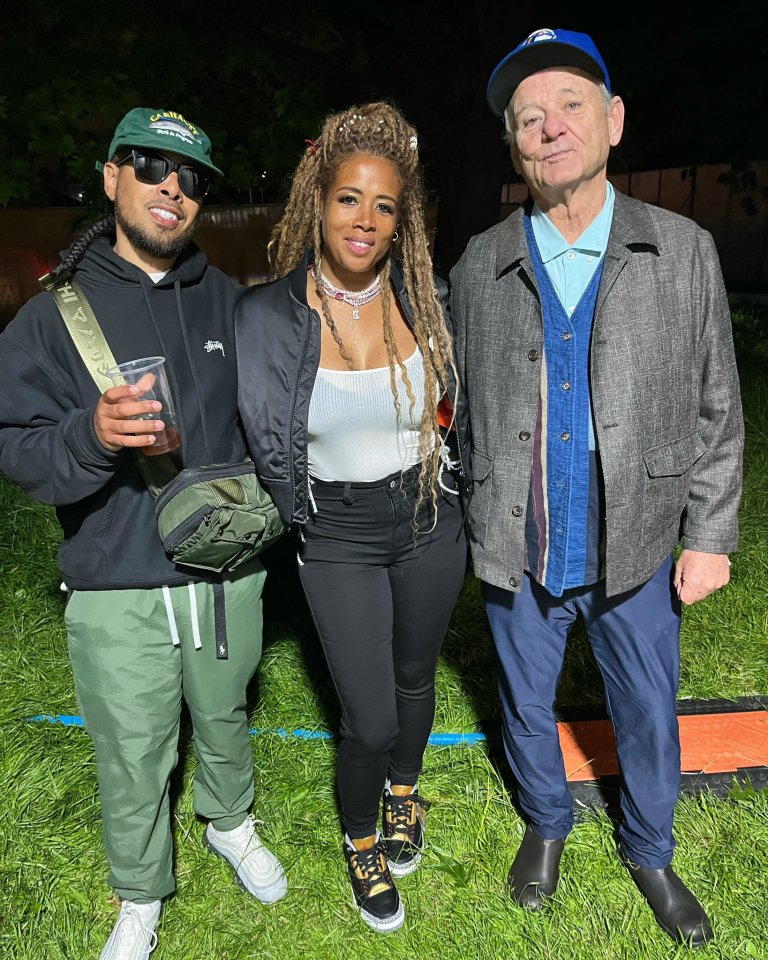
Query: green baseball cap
x=163 y=130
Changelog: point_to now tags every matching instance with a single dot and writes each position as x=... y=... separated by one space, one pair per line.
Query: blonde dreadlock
x=380 y=130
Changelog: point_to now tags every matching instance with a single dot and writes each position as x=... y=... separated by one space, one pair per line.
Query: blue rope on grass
x=435 y=740
x=68 y=720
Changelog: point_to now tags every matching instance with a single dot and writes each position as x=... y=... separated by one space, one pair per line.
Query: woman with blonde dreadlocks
x=345 y=367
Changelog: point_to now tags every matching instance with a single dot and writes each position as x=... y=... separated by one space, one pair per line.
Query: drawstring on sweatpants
x=193 y=614
x=171 y=617
x=175 y=640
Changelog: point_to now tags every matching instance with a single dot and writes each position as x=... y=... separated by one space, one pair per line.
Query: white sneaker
x=257 y=870
x=133 y=936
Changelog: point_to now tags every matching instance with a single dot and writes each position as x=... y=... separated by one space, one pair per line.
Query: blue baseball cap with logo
x=543 y=48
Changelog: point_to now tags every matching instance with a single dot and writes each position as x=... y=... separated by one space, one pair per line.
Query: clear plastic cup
x=158 y=389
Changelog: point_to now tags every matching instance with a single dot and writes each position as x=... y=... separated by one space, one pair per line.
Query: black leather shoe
x=535 y=870
x=677 y=911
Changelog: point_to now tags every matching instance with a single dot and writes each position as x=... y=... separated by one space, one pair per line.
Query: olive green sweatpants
x=135 y=654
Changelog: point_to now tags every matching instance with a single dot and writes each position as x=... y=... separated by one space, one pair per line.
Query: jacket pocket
x=482 y=492
x=667 y=485
x=676 y=457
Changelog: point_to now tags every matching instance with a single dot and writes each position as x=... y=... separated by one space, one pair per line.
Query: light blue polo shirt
x=570 y=268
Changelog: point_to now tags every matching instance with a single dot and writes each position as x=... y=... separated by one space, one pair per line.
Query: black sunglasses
x=154 y=168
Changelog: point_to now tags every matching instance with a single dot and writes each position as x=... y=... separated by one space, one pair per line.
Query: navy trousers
x=635 y=638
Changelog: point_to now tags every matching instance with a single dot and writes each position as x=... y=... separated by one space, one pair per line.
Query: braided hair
x=378 y=129
x=103 y=227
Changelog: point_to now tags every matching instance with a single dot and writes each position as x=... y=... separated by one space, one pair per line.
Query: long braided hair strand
x=103 y=227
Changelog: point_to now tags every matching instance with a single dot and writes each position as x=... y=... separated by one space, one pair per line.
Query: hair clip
x=413 y=143
x=314 y=145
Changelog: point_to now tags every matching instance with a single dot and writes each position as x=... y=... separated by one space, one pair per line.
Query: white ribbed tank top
x=353 y=429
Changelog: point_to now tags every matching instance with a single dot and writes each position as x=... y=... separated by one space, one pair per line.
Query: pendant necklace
x=355 y=298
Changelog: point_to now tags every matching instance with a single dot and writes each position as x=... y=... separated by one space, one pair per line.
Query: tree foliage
x=260 y=78
x=70 y=71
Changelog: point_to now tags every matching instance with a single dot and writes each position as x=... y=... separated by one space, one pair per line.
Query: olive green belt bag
x=214 y=517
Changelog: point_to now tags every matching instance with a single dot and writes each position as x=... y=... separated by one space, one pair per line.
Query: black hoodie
x=48 y=443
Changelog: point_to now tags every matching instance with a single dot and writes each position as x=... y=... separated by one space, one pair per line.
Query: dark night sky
x=695 y=81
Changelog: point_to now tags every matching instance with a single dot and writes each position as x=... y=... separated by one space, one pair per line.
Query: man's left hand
x=699 y=574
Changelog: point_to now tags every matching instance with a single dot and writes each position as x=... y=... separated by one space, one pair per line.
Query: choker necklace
x=355 y=298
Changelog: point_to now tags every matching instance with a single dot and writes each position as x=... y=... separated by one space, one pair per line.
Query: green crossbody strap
x=85 y=331
x=92 y=345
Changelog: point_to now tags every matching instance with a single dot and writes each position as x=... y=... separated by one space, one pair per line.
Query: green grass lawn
x=55 y=900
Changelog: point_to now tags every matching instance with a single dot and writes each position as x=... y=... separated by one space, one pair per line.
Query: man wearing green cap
x=143 y=633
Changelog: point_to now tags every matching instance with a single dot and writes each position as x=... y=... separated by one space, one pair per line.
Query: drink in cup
x=132 y=372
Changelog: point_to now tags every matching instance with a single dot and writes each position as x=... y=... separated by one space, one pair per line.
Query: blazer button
x=513 y=581
x=533 y=354
x=524 y=435
x=517 y=511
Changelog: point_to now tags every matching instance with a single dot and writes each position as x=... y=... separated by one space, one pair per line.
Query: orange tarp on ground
x=710 y=743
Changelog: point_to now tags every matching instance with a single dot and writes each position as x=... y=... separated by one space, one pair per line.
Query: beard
x=160 y=245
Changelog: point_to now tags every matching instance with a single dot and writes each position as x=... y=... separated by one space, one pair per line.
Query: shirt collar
x=593 y=240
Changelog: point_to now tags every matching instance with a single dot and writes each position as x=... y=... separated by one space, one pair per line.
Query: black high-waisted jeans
x=381 y=597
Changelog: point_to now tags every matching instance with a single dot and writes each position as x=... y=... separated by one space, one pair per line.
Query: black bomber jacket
x=278 y=353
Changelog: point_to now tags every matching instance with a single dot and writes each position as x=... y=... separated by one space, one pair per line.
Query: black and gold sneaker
x=403 y=823
x=375 y=893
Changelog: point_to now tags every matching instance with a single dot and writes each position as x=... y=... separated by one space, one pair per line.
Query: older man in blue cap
x=594 y=340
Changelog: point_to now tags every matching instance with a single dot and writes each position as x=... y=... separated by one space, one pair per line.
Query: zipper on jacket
x=310 y=314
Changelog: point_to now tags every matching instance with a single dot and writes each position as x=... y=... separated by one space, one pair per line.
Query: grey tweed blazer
x=664 y=383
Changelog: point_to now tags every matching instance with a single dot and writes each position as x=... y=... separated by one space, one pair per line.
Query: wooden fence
x=731 y=202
